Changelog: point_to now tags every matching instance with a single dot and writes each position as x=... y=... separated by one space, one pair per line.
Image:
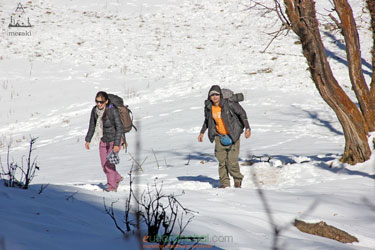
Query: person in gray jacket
x=105 y=127
x=225 y=121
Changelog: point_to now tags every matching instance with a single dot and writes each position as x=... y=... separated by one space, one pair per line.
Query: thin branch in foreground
x=111 y=214
x=281 y=29
x=275 y=228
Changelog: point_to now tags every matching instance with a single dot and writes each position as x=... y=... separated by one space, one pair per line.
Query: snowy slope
x=162 y=57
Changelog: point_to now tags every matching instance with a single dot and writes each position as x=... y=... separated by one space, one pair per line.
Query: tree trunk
x=303 y=21
x=353 y=55
x=371 y=8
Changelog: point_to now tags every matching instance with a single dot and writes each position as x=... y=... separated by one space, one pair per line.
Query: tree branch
x=371 y=8
x=111 y=214
x=353 y=55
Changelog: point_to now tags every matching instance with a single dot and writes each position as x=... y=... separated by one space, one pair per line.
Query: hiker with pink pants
x=105 y=126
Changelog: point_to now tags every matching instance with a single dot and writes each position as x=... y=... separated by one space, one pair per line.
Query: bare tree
x=31 y=166
x=161 y=213
x=27 y=173
x=356 y=122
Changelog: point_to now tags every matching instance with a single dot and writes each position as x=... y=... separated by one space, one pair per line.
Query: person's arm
x=241 y=113
x=91 y=129
x=203 y=129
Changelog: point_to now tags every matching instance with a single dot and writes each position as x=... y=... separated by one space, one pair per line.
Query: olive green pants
x=228 y=161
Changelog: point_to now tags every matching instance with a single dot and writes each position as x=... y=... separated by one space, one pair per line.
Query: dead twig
x=338 y=24
x=156 y=159
x=281 y=29
x=111 y=214
x=138 y=164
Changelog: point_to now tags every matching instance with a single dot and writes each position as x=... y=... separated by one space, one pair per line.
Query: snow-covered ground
x=162 y=57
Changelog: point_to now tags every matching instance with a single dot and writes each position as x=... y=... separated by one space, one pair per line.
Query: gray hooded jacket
x=112 y=126
x=233 y=115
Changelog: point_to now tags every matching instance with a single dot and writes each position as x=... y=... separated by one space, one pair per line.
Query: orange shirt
x=220 y=126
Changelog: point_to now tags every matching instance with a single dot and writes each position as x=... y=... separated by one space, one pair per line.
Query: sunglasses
x=101 y=102
x=214 y=95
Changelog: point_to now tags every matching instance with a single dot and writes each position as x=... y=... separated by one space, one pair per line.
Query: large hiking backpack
x=232 y=97
x=229 y=94
x=126 y=114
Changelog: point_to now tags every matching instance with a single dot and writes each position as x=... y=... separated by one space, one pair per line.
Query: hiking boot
x=223 y=186
x=110 y=190
x=237 y=184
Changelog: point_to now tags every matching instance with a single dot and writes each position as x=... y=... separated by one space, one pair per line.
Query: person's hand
x=200 y=137
x=87 y=145
x=116 y=149
x=247 y=133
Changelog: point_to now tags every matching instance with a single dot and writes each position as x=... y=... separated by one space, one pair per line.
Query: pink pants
x=113 y=177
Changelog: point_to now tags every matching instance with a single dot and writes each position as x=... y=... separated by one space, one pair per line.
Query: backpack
x=232 y=97
x=229 y=94
x=126 y=114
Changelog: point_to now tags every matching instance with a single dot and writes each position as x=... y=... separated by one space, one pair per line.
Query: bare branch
x=281 y=15
x=282 y=28
x=338 y=24
x=111 y=214
x=138 y=164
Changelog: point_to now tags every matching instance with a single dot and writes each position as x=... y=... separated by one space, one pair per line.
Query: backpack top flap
x=227 y=93
x=116 y=100
x=230 y=95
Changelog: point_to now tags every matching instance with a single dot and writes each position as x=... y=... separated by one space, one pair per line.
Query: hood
x=216 y=88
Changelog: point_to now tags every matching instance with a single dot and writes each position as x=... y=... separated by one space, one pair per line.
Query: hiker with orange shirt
x=225 y=120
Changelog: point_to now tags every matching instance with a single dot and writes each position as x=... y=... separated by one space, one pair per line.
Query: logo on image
x=19 y=20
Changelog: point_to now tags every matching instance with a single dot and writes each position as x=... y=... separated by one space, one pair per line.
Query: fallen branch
x=324 y=230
